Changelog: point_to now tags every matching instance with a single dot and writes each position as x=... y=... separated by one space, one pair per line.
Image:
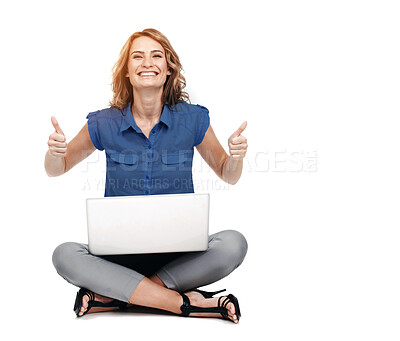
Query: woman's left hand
x=238 y=143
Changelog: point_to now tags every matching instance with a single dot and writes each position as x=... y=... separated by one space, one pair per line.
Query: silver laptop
x=148 y=224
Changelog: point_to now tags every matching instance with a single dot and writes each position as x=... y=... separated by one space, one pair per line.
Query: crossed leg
x=151 y=292
x=161 y=288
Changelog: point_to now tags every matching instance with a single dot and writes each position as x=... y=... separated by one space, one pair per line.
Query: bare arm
x=228 y=168
x=61 y=157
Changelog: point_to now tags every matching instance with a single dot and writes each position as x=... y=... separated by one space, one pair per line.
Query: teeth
x=147 y=74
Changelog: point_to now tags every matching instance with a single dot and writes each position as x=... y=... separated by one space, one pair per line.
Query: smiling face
x=147 y=65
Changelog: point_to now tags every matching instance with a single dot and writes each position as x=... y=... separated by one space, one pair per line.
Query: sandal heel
x=208 y=294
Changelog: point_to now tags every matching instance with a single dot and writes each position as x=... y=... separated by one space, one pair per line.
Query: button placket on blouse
x=149 y=159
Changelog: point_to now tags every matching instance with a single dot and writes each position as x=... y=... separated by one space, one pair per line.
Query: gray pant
x=117 y=276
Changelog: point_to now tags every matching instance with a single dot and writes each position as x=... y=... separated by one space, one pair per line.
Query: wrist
x=54 y=165
x=232 y=169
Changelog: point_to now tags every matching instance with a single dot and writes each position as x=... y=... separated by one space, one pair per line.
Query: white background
x=318 y=201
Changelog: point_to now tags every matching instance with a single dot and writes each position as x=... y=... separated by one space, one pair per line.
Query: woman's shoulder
x=110 y=113
x=187 y=108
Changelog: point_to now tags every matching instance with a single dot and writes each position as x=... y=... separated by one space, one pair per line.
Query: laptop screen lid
x=148 y=224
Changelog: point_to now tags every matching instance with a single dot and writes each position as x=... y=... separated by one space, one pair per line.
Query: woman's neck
x=147 y=106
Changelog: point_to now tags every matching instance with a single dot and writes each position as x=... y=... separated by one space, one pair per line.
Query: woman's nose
x=147 y=61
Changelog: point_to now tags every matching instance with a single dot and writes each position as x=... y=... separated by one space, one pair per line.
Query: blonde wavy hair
x=173 y=88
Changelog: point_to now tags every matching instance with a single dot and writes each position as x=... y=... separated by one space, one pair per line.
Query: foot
x=97 y=298
x=198 y=300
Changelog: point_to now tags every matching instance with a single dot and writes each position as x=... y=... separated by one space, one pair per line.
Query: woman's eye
x=137 y=57
x=158 y=55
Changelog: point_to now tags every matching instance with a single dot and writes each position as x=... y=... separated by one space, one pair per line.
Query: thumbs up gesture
x=57 y=142
x=238 y=143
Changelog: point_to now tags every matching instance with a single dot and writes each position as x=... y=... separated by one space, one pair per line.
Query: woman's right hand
x=57 y=141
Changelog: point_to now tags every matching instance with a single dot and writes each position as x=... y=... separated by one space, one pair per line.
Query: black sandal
x=208 y=294
x=92 y=303
x=186 y=308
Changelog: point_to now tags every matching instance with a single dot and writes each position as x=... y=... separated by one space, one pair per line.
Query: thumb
x=240 y=129
x=56 y=125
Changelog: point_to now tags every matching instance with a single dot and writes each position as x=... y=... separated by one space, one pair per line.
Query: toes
x=83 y=309
x=84 y=306
x=232 y=312
x=231 y=308
x=233 y=317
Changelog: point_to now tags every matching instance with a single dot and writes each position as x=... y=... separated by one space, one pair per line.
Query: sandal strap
x=88 y=293
x=223 y=306
x=187 y=308
x=93 y=303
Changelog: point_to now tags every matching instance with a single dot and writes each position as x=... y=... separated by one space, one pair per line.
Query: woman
x=148 y=134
